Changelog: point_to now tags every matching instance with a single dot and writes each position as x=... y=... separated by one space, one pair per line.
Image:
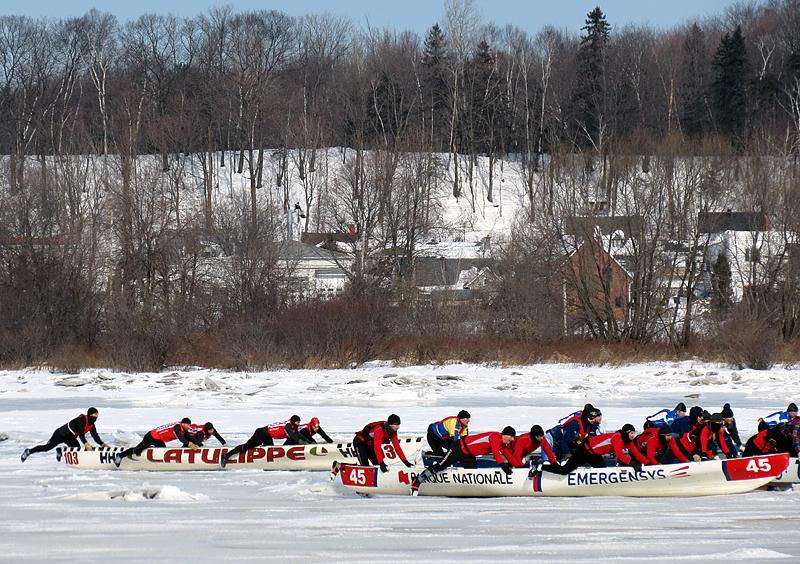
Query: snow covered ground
x=52 y=513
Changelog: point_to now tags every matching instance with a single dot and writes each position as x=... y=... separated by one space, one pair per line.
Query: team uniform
x=159 y=437
x=468 y=449
x=591 y=452
x=700 y=442
x=70 y=434
x=663 y=417
x=369 y=442
x=442 y=434
x=565 y=437
x=199 y=435
x=778 y=417
x=306 y=434
x=525 y=445
x=285 y=430
x=784 y=437
x=265 y=436
x=651 y=444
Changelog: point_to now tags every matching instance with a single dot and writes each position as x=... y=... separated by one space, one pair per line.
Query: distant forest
x=85 y=102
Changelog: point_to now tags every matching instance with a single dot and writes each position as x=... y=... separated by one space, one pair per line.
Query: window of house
x=751 y=254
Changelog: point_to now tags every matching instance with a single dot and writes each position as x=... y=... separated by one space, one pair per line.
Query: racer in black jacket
x=70 y=433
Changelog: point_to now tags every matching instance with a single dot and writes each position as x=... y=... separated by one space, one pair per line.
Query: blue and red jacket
x=449 y=428
x=572 y=432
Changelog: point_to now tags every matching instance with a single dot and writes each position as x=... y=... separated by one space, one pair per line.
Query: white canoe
x=289 y=457
x=789 y=476
x=710 y=477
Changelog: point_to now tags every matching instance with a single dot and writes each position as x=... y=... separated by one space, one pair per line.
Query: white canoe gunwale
x=318 y=456
x=711 y=477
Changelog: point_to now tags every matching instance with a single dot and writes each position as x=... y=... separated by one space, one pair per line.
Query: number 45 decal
x=358 y=476
x=759 y=465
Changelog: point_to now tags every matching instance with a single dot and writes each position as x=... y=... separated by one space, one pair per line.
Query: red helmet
x=314 y=421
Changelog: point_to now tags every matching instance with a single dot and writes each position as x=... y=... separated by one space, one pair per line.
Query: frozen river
x=52 y=513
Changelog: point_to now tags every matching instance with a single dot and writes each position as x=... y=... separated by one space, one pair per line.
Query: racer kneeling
x=469 y=448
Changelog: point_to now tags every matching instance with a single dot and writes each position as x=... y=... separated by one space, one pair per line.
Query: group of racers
x=669 y=435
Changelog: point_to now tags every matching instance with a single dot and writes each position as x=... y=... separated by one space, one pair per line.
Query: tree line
x=103 y=122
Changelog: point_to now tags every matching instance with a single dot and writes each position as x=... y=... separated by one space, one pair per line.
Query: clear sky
x=416 y=15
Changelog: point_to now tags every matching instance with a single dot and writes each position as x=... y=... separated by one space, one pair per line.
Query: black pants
x=261 y=437
x=365 y=453
x=59 y=436
x=579 y=457
x=750 y=449
x=438 y=445
x=305 y=439
x=455 y=454
x=148 y=441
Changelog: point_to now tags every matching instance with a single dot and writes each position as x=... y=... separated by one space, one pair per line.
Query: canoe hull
x=711 y=477
x=789 y=476
x=289 y=457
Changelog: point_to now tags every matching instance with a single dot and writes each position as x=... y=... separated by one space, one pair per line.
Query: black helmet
x=627 y=428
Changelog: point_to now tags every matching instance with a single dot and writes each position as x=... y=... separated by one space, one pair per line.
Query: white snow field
x=52 y=513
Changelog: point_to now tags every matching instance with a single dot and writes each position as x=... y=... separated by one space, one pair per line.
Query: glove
x=104 y=445
x=194 y=446
x=87 y=446
x=567 y=456
x=636 y=465
x=384 y=468
x=506 y=467
x=407 y=463
x=696 y=458
x=330 y=441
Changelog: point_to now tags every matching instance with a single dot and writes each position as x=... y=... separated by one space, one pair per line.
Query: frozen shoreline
x=51 y=513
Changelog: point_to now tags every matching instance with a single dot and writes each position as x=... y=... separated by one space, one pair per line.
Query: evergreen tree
x=588 y=99
x=729 y=89
x=694 y=72
x=435 y=90
x=721 y=295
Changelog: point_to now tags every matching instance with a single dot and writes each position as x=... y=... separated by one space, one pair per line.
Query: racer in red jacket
x=285 y=430
x=159 y=437
x=469 y=448
x=591 y=452
x=69 y=433
x=306 y=433
x=783 y=437
x=263 y=436
x=199 y=434
x=369 y=442
x=698 y=443
x=658 y=445
x=529 y=442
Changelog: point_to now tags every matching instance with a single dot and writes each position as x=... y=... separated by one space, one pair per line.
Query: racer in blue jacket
x=442 y=434
x=778 y=417
x=667 y=416
x=569 y=433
